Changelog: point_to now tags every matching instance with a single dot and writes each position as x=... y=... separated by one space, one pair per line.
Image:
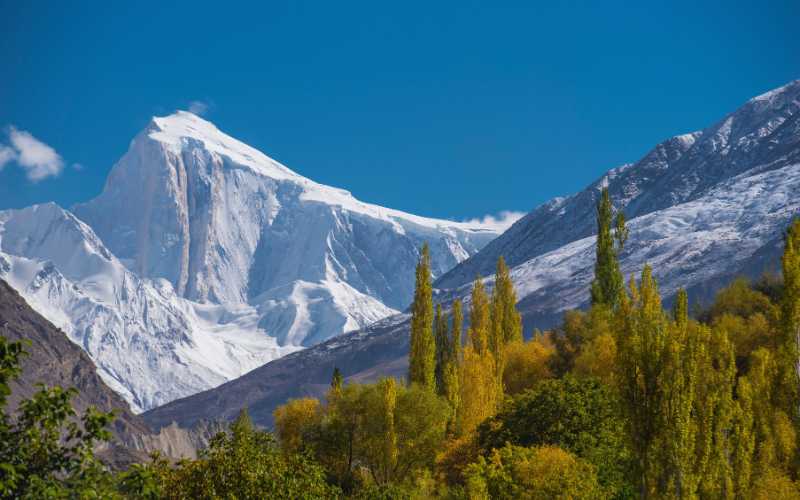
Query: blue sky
x=447 y=109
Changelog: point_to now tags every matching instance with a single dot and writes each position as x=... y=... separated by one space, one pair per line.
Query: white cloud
x=198 y=108
x=7 y=154
x=501 y=221
x=39 y=160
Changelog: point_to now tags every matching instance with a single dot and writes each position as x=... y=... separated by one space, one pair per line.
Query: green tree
x=505 y=320
x=422 y=355
x=642 y=345
x=47 y=451
x=790 y=322
x=608 y=282
x=337 y=382
x=244 y=463
x=456 y=330
x=443 y=349
x=577 y=414
x=450 y=374
x=479 y=318
x=545 y=472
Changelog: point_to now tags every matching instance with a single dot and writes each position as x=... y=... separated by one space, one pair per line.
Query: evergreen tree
x=442 y=348
x=422 y=355
x=608 y=282
x=479 y=318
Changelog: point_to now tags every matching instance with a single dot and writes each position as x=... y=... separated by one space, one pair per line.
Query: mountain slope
x=148 y=344
x=697 y=232
x=763 y=134
x=53 y=360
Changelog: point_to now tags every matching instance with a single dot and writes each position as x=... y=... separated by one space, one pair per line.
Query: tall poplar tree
x=451 y=379
x=506 y=321
x=337 y=382
x=456 y=329
x=790 y=320
x=479 y=318
x=422 y=355
x=608 y=282
x=442 y=348
x=641 y=358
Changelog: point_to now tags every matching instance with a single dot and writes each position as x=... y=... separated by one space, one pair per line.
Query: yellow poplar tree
x=422 y=353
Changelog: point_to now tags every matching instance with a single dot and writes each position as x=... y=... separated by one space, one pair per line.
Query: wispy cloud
x=39 y=160
x=199 y=108
x=7 y=155
x=500 y=222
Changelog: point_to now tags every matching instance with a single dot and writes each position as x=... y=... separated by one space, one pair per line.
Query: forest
x=625 y=399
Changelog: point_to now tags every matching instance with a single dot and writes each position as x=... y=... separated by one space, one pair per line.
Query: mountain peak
x=790 y=89
x=183 y=130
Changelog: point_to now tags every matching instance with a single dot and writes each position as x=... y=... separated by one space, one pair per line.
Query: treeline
x=623 y=400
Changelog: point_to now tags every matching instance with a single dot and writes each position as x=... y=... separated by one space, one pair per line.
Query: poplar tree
x=680 y=309
x=451 y=390
x=442 y=348
x=506 y=321
x=337 y=382
x=479 y=318
x=790 y=321
x=608 y=282
x=422 y=355
x=456 y=329
x=641 y=353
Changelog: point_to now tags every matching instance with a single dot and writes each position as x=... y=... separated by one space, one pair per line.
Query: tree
x=597 y=358
x=388 y=430
x=577 y=414
x=479 y=392
x=450 y=374
x=608 y=282
x=244 y=463
x=790 y=322
x=545 y=472
x=443 y=349
x=479 y=318
x=527 y=364
x=641 y=357
x=422 y=355
x=293 y=421
x=337 y=381
x=47 y=451
x=505 y=320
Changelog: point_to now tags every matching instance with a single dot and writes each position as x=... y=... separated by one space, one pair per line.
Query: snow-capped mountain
x=762 y=135
x=703 y=208
x=203 y=259
x=226 y=224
